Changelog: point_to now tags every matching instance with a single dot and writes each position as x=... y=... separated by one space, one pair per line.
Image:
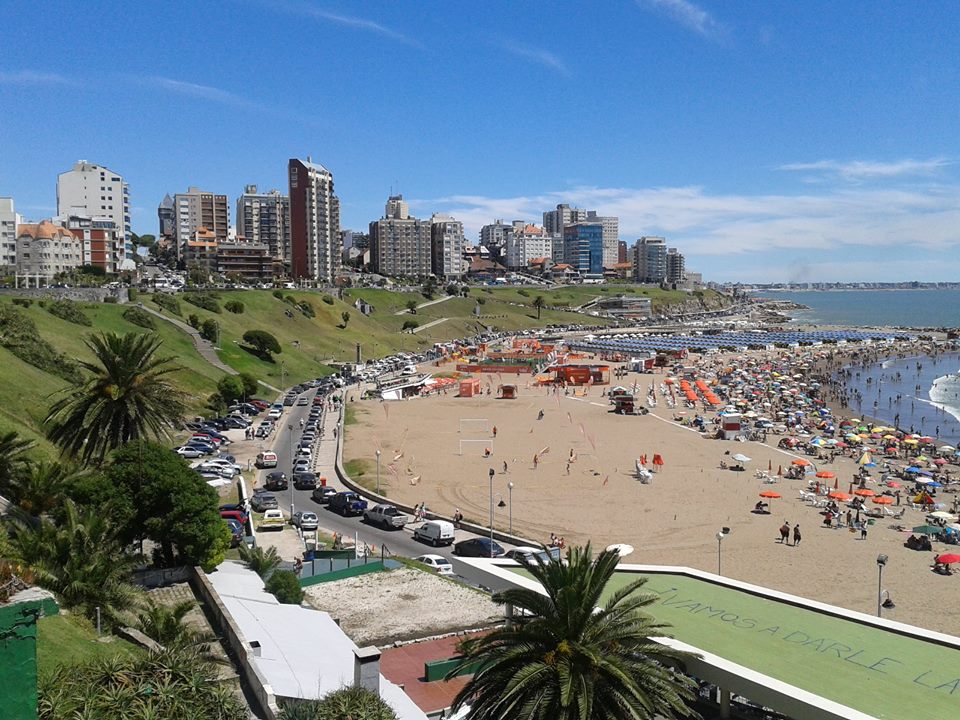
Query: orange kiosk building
x=469 y=387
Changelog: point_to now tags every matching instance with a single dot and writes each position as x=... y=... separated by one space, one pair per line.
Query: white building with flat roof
x=8 y=233
x=94 y=191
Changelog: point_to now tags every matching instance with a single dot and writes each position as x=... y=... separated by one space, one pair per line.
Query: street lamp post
x=724 y=531
x=491 y=473
x=292 y=457
x=510 y=495
x=881 y=561
x=378 y=471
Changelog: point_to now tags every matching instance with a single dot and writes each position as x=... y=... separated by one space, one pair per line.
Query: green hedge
x=167 y=302
x=19 y=335
x=69 y=311
x=139 y=316
x=202 y=301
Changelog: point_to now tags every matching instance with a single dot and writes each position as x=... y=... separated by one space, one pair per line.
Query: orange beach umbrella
x=769 y=494
x=826 y=474
x=801 y=462
x=841 y=496
x=883 y=500
x=864 y=492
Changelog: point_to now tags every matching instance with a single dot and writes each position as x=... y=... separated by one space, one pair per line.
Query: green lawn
x=881 y=673
x=67 y=640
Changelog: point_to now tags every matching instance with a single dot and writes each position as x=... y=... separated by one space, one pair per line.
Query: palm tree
x=167 y=625
x=127 y=397
x=79 y=559
x=262 y=562
x=574 y=654
x=40 y=489
x=13 y=459
x=539 y=303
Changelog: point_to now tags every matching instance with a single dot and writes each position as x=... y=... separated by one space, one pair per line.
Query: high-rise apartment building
x=583 y=248
x=676 y=269
x=315 y=250
x=611 y=236
x=527 y=242
x=622 y=252
x=650 y=259
x=8 y=234
x=167 y=220
x=93 y=191
x=554 y=221
x=447 y=245
x=264 y=219
x=494 y=238
x=197 y=209
x=103 y=245
x=400 y=245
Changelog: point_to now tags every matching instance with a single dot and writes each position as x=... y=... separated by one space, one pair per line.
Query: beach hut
x=469 y=387
x=508 y=392
x=730 y=425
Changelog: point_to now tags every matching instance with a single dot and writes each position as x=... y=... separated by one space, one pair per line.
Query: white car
x=188 y=452
x=437 y=563
x=222 y=463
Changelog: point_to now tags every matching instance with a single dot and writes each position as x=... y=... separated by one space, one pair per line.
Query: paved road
x=285 y=441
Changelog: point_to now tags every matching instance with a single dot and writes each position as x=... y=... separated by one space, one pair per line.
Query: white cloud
x=868 y=169
x=33 y=77
x=352 y=21
x=204 y=92
x=538 y=56
x=746 y=233
x=691 y=16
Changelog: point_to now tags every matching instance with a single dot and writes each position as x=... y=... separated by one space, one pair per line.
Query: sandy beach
x=672 y=521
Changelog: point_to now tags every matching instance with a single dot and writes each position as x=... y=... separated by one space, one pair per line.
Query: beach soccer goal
x=478 y=444
x=475 y=426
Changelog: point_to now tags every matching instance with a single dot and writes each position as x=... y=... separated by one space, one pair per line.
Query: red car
x=262 y=404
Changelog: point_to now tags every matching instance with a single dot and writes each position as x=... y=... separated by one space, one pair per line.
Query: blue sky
x=768 y=140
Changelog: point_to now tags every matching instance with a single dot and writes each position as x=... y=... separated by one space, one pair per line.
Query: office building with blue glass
x=583 y=248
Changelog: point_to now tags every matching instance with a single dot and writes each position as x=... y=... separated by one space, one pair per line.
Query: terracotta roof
x=202 y=232
x=562 y=266
x=478 y=264
x=44 y=230
x=622 y=266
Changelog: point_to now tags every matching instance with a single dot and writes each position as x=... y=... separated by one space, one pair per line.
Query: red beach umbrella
x=841 y=496
x=826 y=474
x=864 y=492
x=883 y=500
x=769 y=494
x=801 y=462
x=947 y=559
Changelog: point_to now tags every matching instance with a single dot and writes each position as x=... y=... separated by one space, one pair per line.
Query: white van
x=435 y=532
x=267 y=459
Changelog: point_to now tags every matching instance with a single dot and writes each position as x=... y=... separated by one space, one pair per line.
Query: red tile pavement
x=404 y=666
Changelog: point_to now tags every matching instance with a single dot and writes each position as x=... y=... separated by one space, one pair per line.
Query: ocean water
x=922 y=393
x=906 y=308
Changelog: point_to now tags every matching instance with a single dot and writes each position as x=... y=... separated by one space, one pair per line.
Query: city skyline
x=769 y=142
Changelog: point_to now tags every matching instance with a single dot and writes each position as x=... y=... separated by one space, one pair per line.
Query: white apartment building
x=264 y=218
x=526 y=243
x=447 y=241
x=93 y=191
x=315 y=243
x=8 y=233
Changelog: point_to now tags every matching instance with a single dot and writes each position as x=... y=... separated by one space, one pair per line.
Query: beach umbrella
x=911 y=441
x=926 y=529
x=841 y=496
x=883 y=500
x=947 y=558
x=864 y=492
x=741 y=458
x=894 y=484
x=801 y=462
x=913 y=469
x=622 y=549
x=825 y=474
x=941 y=515
x=939 y=461
x=770 y=494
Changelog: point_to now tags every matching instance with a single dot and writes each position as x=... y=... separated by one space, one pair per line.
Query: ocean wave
x=945 y=394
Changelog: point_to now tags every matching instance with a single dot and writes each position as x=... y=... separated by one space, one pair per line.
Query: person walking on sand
x=494 y=430
x=504 y=466
x=785 y=533
x=568 y=467
x=536 y=460
x=863 y=531
x=540 y=415
x=796 y=534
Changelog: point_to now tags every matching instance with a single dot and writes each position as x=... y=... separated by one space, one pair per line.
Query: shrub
x=207 y=302
x=133 y=294
x=290 y=300
x=523 y=293
x=411 y=325
x=19 y=335
x=262 y=341
x=348 y=702
x=167 y=302
x=69 y=311
x=209 y=329
x=285 y=587
x=139 y=316
x=234 y=306
x=306 y=307
x=278 y=294
x=110 y=299
x=23 y=302
x=328 y=299
x=194 y=321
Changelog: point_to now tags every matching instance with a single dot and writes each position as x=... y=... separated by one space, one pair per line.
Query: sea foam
x=945 y=394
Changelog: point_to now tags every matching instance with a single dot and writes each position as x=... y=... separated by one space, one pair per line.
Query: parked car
x=272 y=519
x=263 y=501
x=301 y=465
x=437 y=563
x=189 y=451
x=435 y=532
x=347 y=503
x=215 y=471
x=387 y=516
x=478 y=547
x=306 y=520
x=276 y=481
x=236 y=422
x=303 y=401
x=261 y=404
x=266 y=459
x=531 y=553
x=239 y=515
x=206 y=437
x=304 y=480
x=236 y=531
x=323 y=494
x=289 y=400
x=274 y=414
